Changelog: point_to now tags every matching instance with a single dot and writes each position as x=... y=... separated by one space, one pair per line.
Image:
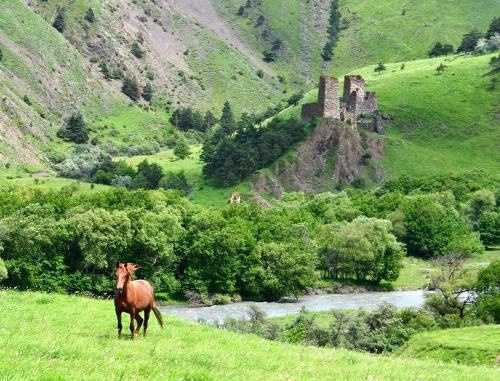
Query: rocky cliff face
x=334 y=153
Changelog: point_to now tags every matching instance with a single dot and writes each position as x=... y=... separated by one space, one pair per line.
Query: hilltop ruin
x=358 y=108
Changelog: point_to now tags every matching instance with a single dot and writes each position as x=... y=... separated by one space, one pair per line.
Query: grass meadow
x=57 y=337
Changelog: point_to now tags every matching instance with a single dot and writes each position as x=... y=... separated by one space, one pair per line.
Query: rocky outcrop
x=334 y=153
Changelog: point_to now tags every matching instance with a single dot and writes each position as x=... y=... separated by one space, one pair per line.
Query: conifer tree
x=60 y=21
x=227 y=121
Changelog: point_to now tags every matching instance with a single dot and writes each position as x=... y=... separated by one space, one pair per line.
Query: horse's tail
x=157 y=313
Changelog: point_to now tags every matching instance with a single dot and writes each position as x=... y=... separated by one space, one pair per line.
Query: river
x=325 y=302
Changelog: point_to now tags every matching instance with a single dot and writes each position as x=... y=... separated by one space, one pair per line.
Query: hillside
x=470 y=346
x=445 y=123
x=192 y=53
x=70 y=337
x=372 y=31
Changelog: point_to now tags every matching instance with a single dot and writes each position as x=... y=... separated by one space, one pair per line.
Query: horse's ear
x=125 y=263
x=117 y=264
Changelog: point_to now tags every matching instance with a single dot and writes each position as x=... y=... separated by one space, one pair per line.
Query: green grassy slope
x=64 y=337
x=204 y=192
x=441 y=123
x=377 y=30
x=471 y=346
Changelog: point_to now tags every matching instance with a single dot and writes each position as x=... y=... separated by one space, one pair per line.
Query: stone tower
x=328 y=97
x=357 y=100
x=328 y=105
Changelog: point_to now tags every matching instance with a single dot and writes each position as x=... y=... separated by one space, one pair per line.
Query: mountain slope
x=372 y=30
x=440 y=124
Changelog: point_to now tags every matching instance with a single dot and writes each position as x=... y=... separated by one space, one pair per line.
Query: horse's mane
x=131 y=269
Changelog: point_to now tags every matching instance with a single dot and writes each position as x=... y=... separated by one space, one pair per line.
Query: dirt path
x=204 y=12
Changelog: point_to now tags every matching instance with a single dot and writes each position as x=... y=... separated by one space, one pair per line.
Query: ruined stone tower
x=357 y=100
x=328 y=105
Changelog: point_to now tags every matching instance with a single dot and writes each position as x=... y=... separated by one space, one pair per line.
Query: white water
x=217 y=314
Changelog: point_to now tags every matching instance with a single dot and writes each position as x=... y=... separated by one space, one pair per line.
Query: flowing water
x=217 y=314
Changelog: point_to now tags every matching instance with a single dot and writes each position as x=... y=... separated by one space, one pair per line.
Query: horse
x=133 y=297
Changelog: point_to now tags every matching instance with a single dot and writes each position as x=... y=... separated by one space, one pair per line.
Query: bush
x=136 y=50
x=181 y=149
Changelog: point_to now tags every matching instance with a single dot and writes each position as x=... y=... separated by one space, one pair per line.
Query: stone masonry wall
x=328 y=97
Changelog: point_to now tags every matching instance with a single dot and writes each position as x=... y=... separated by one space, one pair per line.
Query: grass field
x=471 y=346
x=68 y=338
x=204 y=191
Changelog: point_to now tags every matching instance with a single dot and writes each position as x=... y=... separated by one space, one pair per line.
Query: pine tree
x=209 y=120
x=90 y=16
x=147 y=92
x=75 y=129
x=493 y=28
x=436 y=50
x=60 y=21
x=326 y=53
x=227 y=121
x=131 y=89
x=469 y=41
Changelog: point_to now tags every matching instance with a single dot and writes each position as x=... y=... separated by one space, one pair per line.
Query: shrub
x=136 y=50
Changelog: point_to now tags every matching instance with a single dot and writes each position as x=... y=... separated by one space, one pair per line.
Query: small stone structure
x=235 y=198
x=359 y=107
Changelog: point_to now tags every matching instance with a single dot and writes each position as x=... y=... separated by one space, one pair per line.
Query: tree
x=173 y=180
x=326 y=53
x=493 y=28
x=181 y=149
x=60 y=20
x=147 y=92
x=447 y=49
x=3 y=270
x=433 y=228
x=452 y=288
x=489 y=228
x=209 y=120
x=380 y=68
x=487 y=304
x=436 y=50
x=148 y=175
x=136 y=50
x=469 y=41
x=362 y=249
x=227 y=121
x=89 y=15
x=333 y=24
x=130 y=88
x=75 y=129
x=441 y=68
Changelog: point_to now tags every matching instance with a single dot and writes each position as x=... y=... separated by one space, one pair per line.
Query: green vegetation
x=74 y=338
x=470 y=346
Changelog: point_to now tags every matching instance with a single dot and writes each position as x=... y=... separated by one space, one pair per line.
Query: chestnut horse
x=133 y=297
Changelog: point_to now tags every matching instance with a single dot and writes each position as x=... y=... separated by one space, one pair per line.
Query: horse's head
x=124 y=272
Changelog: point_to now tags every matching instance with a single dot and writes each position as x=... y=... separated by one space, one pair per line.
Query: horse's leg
x=132 y=328
x=119 y=318
x=139 y=321
x=146 y=319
